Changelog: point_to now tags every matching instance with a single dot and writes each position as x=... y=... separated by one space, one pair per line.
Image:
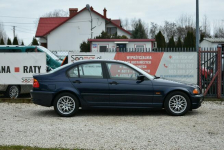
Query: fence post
x=199 y=68
x=219 y=71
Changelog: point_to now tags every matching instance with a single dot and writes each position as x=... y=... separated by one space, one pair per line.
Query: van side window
x=30 y=50
x=16 y=50
x=9 y=50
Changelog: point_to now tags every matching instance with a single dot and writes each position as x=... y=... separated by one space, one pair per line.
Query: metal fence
x=211 y=68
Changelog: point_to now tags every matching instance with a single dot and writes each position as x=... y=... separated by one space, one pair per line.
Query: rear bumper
x=196 y=101
x=42 y=98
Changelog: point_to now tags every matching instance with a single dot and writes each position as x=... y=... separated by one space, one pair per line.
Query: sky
x=24 y=13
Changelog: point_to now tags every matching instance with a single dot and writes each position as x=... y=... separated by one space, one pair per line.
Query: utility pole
x=197 y=37
x=14 y=31
x=197 y=25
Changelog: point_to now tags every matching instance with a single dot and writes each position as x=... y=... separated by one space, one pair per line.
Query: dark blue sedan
x=111 y=84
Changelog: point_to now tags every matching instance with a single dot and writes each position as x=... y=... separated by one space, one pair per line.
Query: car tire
x=12 y=91
x=66 y=105
x=177 y=103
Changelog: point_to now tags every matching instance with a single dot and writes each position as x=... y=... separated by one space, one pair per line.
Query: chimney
x=73 y=11
x=105 y=13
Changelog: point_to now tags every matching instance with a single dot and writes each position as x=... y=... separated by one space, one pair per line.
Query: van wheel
x=12 y=91
x=66 y=104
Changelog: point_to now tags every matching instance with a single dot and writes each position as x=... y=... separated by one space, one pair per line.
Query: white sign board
x=18 y=68
x=178 y=66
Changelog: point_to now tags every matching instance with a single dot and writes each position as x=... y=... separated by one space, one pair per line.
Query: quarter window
x=73 y=73
x=120 y=71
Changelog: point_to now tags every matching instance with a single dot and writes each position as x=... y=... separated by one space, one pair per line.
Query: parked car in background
x=13 y=91
x=111 y=84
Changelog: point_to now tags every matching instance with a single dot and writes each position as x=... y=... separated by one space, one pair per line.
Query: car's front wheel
x=177 y=103
x=66 y=104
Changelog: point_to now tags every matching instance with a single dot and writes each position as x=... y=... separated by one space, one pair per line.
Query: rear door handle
x=113 y=82
x=77 y=81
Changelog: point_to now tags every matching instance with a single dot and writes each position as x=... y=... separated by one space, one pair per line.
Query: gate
x=210 y=72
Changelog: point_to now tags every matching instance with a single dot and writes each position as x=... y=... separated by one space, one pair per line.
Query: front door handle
x=77 y=81
x=113 y=82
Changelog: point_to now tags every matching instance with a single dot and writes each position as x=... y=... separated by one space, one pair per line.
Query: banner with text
x=178 y=66
x=18 y=68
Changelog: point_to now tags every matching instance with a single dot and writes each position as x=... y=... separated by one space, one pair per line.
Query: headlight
x=196 y=91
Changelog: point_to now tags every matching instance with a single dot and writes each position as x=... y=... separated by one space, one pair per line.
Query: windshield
x=48 y=52
x=141 y=71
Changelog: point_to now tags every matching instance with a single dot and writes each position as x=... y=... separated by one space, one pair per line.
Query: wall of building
x=69 y=35
x=95 y=46
x=207 y=44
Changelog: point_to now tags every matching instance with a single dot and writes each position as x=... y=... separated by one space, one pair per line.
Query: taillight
x=35 y=83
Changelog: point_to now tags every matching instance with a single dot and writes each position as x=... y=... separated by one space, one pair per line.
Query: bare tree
x=169 y=30
x=57 y=13
x=206 y=27
x=219 y=32
x=185 y=21
x=54 y=13
x=125 y=23
x=218 y=29
x=3 y=33
x=154 y=29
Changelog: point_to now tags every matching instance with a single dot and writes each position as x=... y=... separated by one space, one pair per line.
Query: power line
x=18 y=17
x=24 y=31
x=43 y=23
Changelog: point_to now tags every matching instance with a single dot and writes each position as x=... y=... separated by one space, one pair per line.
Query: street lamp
x=88 y=8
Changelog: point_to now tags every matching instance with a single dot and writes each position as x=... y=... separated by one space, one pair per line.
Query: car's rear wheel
x=177 y=103
x=66 y=104
x=12 y=91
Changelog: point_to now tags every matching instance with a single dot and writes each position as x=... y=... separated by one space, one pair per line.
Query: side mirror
x=140 y=77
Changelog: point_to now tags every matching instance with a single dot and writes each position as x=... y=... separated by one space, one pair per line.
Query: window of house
x=111 y=30
x=103 y=48
x=140 y=47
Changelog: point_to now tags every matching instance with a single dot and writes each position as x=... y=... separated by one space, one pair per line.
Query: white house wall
x=71 y=34
x=112 y=45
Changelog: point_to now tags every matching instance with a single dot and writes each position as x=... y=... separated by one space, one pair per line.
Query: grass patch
x=18 y=100
x=17 y=147
x=213 y=99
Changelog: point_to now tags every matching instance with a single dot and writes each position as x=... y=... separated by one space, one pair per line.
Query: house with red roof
x=67 y=33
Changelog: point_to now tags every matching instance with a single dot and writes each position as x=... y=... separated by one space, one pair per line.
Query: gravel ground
x=32 y=125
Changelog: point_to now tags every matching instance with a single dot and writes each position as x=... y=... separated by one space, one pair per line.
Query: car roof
x=99 y=60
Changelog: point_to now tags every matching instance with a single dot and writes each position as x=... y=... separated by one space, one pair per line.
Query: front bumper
x=196 y=101
x=42 y=98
